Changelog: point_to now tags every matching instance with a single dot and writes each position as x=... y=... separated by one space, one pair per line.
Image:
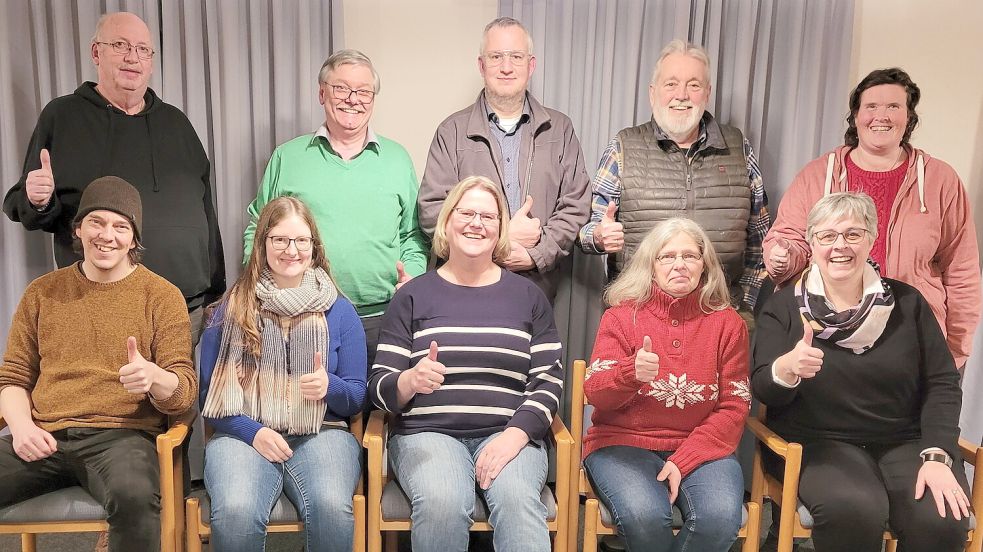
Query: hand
x=778 y=258
x=31 y=443
x=670 y=472
x=138 y=374
x=803 y=361
x=938 y=477
x=314 y=386
x=401 y=276
x=646 y=362
x=523 y=229
x=609 y=235
x=497 y=453
x=519 y=259
x=272 y=445
x=426 y=376
x=40 y=183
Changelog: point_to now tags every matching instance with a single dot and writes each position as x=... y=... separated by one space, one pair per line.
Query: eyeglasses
x=670 y=258
x=281 y=243
x=123 y=48
x=467 y=215
x=342 y=92
x=851 y=235
x=517 y=57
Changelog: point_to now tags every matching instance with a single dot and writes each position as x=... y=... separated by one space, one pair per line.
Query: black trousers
x=118 y=467
x=855 y=492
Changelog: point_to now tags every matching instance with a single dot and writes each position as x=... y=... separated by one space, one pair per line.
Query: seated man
x=99 y=353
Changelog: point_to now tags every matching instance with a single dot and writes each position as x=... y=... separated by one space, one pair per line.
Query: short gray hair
x=843 y=205
x=678 y=46
x=501 y=23
x=348 y=57
x=104 y=18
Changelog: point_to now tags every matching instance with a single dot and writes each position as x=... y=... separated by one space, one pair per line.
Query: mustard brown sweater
x=67 y=343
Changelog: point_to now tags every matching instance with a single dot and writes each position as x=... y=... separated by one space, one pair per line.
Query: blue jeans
x=710 y=499
x=319 y=479
x=437 y=473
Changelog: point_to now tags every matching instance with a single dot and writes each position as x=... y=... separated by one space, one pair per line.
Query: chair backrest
x=578 y=400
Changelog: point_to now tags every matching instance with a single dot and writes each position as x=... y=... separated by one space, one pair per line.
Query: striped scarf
x=854 y=329
x=267 y=389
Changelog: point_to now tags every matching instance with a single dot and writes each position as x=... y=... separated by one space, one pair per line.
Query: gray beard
x=505 y=104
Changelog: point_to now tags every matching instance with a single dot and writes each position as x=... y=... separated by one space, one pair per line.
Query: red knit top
x=882 y=187
x=697 y=404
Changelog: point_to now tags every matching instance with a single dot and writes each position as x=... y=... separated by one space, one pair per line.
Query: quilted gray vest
x=710 y=187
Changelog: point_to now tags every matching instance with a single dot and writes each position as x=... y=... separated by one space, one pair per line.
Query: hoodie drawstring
x=919 y=179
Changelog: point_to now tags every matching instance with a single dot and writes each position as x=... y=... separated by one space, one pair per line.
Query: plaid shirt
x=607 y=188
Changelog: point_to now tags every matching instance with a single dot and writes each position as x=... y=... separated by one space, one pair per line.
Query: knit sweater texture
x=882 y=187
x=67 y=343
x=498 y=343
x=365 y=210
x=696 y=405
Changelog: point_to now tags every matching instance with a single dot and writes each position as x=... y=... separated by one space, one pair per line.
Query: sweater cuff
x=177 y=403
x=529 y=422
x=687 y=460
x=625 y=375
x=780 y=381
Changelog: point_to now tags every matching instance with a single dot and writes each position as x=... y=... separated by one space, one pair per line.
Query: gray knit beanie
x=112 y=193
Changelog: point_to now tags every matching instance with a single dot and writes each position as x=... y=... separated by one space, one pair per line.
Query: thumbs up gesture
x=314 y=386
x=646 y=362
x=401 y=276
x=778 y=257
x=425 y=377
x=138 y=374
x=524 y=229
x=803 y=361
x=40 y=183
x=609 y=235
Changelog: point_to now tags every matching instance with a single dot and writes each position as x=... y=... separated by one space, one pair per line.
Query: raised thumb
x=647 y=344
x=132 y=354
x=318 y=362
x=611 y=211
x=526 y=207
x=807 y=333
x=783 y=244
x=45 y=160
x=432 y=355
x=400 y=271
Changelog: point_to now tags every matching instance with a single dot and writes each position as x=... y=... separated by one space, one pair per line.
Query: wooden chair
x=389 y=508
x=73 y=510
x=797 y=522
x=597 y=519
x=283 y=519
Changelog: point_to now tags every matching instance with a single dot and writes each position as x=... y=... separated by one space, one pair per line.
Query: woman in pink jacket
x=925 y=234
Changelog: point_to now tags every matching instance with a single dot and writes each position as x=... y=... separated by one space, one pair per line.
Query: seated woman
x=855 y=367
x=669 y=385
x=282 y=368
x=469 y=364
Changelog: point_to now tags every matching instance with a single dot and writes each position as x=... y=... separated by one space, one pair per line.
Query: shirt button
x=675 y=343
x=508 y=159
x=675 y=322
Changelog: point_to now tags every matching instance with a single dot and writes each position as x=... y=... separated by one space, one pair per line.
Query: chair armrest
x=970 y=451
x=768 y=437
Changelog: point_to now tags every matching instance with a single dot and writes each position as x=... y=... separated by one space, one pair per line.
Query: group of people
x=335 y=308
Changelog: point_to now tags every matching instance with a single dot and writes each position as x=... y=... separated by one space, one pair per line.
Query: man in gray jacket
x=530 y=150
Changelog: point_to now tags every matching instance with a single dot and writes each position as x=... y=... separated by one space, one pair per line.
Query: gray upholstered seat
x=396 y=505
x=69 y=504
x=283 y=511
x=805 y=518
x=677 y=516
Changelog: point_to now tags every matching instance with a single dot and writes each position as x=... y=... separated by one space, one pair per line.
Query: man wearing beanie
x=98 y=355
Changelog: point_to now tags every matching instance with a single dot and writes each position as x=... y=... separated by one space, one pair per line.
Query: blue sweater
x=346 y=369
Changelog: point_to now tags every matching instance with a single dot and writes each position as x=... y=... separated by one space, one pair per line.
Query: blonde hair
x=843 y=205
x=502 y=248
x=635 y=283
x=242 y=306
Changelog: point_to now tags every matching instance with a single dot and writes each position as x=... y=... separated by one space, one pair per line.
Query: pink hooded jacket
x=931 y=242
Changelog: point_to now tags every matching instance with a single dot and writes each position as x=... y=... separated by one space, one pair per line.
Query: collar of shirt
x=494 y=119
x=370 y=139
x=710 y=135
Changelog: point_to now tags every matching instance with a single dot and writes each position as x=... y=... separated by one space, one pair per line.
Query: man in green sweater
x=361 y=188
x=99 y=353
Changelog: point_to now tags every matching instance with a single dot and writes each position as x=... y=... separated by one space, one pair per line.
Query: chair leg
x=192 y=521
x=591 y=515
x=752 y=532
x=28 y=542
x=358 y=505
x=891 y=546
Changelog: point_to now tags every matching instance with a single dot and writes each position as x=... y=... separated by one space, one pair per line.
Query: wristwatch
x=937 y=457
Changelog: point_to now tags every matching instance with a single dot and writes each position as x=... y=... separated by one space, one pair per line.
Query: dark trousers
x=372 y=325
x=118 y=467
x=855 y=492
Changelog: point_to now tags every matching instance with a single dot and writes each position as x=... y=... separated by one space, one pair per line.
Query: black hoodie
x=156 y=150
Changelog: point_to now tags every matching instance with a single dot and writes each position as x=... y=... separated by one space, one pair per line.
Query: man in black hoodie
x=120 y=127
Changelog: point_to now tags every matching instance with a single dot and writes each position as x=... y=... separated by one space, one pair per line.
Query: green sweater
x=67 y=343
x=365 y=210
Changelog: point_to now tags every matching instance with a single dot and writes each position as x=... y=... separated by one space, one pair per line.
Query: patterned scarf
x=855 y=329
x=292 y=330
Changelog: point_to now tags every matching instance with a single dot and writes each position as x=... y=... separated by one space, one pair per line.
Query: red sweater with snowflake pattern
x=697 y=404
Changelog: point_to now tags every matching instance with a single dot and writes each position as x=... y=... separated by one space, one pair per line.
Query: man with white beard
x=682 y=163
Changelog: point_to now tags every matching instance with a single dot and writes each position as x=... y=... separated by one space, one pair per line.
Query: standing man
x=682 y=163
x=99 y=353
x=118 y=126
x=530 y=150
x=360 y=187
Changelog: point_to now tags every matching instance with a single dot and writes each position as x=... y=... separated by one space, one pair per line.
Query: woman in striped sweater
x=282 y=368
x=469 y=365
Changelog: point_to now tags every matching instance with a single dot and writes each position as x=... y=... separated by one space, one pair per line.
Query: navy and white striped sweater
x=499 y=345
